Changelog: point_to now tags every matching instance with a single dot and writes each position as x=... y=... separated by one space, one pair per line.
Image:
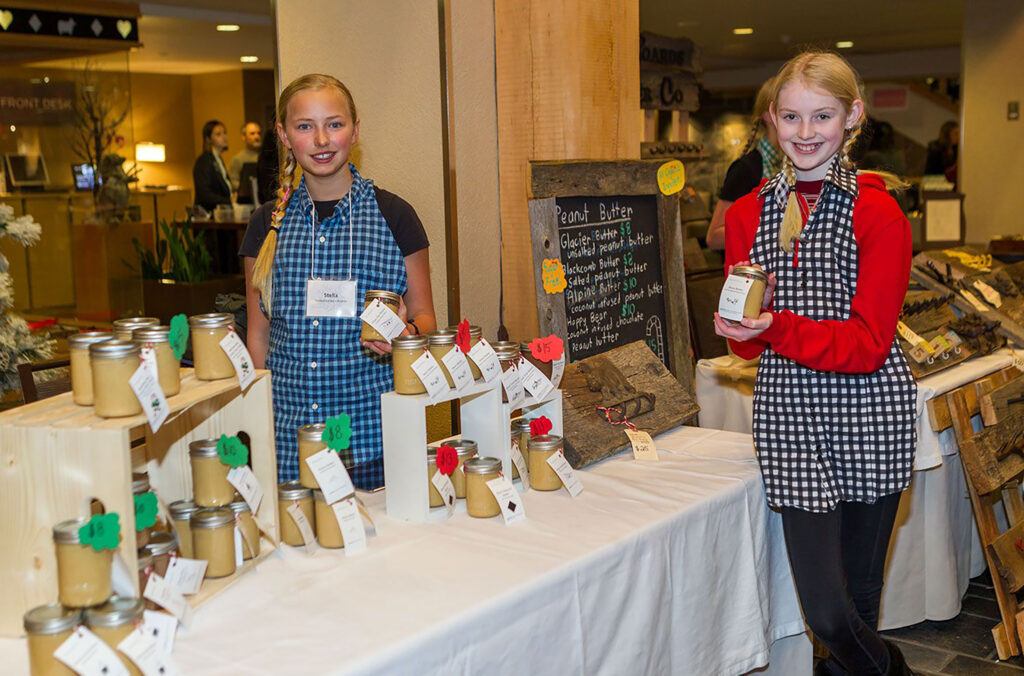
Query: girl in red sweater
x=834 y=400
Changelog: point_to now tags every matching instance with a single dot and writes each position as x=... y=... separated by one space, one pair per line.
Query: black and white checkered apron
x=824 y=437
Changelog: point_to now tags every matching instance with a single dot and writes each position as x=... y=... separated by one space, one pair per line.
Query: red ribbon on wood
x=608 y=416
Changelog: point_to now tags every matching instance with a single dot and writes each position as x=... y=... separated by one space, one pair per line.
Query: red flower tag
x=462 y=337
x=540 y=426
x=447 y=460
x=547 y=349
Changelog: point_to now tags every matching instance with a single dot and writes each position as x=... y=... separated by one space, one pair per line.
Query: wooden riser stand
x=57 y=457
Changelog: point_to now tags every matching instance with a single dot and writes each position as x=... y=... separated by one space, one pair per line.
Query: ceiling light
x=227 y=27
x=13 y=128
x=248 y=59
x=844 y=44
x=742 y=31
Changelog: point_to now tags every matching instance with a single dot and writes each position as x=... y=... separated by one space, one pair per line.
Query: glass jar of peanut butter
x=309 y=444
x=744 y=286
x=288 y=493
x=404 y=351
x=440 y=343
x=113 y=363
x=140 y=486
x=210 y=359
x=480 y=501
x=392 y=300
x=328 y=530
x=466 y=449
x=181 y=515
x=523 y=426
x=113 y=621
x=542 y=477
x=81 y=367
x=508 y=355
x=245 y=522
x=83 y=574
x=544 y=367
x=124 y=328
x=210 y=485
x=47 y=628
x=435 y=497
x=163 y=545
x=475 y=334
x=213 y=539
x=168 y=367
x=514 y=437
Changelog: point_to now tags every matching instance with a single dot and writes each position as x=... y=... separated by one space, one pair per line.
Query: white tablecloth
x=674 y=567
x=931 y=555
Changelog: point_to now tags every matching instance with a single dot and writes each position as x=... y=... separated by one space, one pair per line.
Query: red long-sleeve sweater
x=860 y=343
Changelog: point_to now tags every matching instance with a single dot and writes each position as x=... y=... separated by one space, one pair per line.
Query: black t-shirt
x=743 y=176
x=405 y=225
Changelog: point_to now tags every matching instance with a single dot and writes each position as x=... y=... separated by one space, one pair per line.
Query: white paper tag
x=305 y=529
x=239 y=554
x=330 y=298
x=428 y=370
x=234 y=348
x=147 y=390
x=511 y=504
x=458 y=367
x=146 y=653
x=383 y=319
x=643 y=445
x=565 y=472
x=520 y=463
x=351 y=524
x=908 y=334
x=371 y=527
x=973 y=300
x=148 y=357
x=167 y=596
x=486 y=360
x=988 y=293
x=534 y=379
x=161 y=627
x=443 y=484
x=247 y=485
x=513 y=385
x=557 y=370
x=186 y=575
x=734 y=297
x=88 y=655
x=331 y=475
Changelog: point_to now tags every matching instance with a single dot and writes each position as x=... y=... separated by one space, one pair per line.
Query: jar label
x=445 y=487
x=167 y=596
x=235 y=349
x=161 y=627
x=512 y=381
x=144 y=650
x=185 y=575
x=643 y=445
x=520 y=463
x=88 y=655
x=534 y=380
x=734 y=297
x=351 y=525
x=148 y=357
x=512 y=510
x=428 y=370
x=305 y=529
x=565 y=472
x=245 y=482
x=151 y=397
x=486 y=360
x=458 y=367
x=331 y=475
x=383 y=319
x=557 y=370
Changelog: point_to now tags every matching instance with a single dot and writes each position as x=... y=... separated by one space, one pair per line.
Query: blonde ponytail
x=289 y=176
x=792 y=219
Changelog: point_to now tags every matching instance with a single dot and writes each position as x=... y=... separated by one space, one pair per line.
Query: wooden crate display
x=57 y=457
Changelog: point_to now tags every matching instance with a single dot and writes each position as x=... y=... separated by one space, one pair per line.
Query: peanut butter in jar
x=83 y=574
x=210 y=359
x=124 y=328
x=168 y=367
x=480 y=502
x=81 y=365
x=542 y=477
x=213 y=540
x=181 y=515
x=210 y=485
x=328 y=530
x=389 y=298
x=47 y=628
x=508 y=356
x=250 y=530
x=544 y=367
x=404 y=351
x=113 y=621
x=475 y=334
x=162 y=546
x=289 y=493
x=113 y=362
x=310 y=443
x=440 y=343
x=466 y=449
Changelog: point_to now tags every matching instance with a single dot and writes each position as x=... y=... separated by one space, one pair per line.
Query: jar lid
x=474 y=331
x=312 y=432
x=145 y=558
x=293 y=490
x=140 y=483
x=524 y=348
x=113 y=349
x=240 y=507
x=66 y=532
x=182 y=509
x=162 y=543
x=116 y=612
x=212 y=517
x=482 y=465
x=545 y=442
x=521 y=425
x=206 y=448
x=506 y=349
x=82 y=341
x=750 y=271
x=385 y=296
x=409 y=342
x=152 y=334
x=53 y=618
x=431 y=452
x=441 y=337
x=466 y=448
x=132 y=323
x=211 y=320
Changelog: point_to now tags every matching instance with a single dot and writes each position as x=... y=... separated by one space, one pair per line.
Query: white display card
x=458 y=367
x=186 y=575
x=305 y=528
x=734 y=297
x=245 y=482
x=151 y=397
x=512 y=509
x=443 y=484
x=486 y=360
x=235 y=349
x=146 y=653
x=534 y=380
x=88 y=655
x=428 y=370
x=565 y=472
x=520 y=462
x=513 y=384
x=383 y=319
x=167 y=596
x=351 y=524
x=557 y=370
x=161 y=627
x=331 y=475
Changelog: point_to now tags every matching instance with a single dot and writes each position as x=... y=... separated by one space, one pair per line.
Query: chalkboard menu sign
x=611 y=255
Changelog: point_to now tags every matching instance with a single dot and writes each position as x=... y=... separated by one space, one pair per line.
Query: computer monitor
x=84 y=175
x=26 y=171
x=245 y=195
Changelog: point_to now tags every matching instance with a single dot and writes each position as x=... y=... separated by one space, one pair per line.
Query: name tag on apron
x=330 y=298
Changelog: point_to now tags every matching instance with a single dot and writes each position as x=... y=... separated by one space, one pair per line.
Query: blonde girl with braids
x=311 y=254
x=834 y=400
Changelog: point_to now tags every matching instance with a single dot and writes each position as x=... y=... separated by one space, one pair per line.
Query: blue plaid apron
x=319 y=368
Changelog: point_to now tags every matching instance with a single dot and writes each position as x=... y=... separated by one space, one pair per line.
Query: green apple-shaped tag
x=337 y=433
x=102 y=532
x=145 y=510
x=179 y=335
x=232 y=451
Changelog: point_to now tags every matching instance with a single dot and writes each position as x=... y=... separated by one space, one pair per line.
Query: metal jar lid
x=129 y=324
x=182 y=509
x=466 y=448
x=506 y=350
x=145 y=558
x=441 y=337
x=409 y=343
x=293 y=490
x=312 y=432
x=750 y=271
x=482 y=465
x=211 y=320
x=53 y=618
x=82 y=341
x=240 y=507
x=113 y=349
x=212 y=517
x=152 y=334
x=204 y=448
x=388 y=297
x=521 y=425
x=545 y=442
x=162 y=543
x=524 y=348
x=140 y=483
x=475 y=332
x=116 y=612
x=66 y=532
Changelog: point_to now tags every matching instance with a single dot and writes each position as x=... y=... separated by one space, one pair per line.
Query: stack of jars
x=536 y=450
x=307 y=496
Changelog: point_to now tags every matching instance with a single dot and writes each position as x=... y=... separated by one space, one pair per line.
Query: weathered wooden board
x=995 y=404
x=938 y=408
x=1008 y=553
x=995 y=455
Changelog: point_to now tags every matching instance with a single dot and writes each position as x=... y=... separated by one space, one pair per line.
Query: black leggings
x=838 y=560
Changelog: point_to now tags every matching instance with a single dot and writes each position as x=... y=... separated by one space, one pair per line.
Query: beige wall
x=218 y=96
x=158 y=102
x=992 y=147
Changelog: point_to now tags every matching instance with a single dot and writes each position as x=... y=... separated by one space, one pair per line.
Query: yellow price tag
x=671 y=177
x=553 y=276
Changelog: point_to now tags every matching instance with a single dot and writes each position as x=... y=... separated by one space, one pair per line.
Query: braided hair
x=757 y=125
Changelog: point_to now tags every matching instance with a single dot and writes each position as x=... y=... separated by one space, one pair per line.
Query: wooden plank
x=995 y=455
x=593 y=178
x=1007 y=552
x=677 y=312
x=550 y=307
x=938 y=407
x=995 y=403
x=1013 y=502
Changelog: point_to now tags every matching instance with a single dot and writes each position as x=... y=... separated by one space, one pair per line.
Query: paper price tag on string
x=337 y=432
x=383 y=319
x=231 y=451
x=351 y=525
x=168 y=597
x=161 y=627
x=520 y=462
x=331 y=475
x=733 y=297
x=305 y=528
x=88 y=655
x=565 y=472
x=908 y=334
x=147 y=390
x=553 y=276
x=179 y=335
x=973 y=300
x=534 y=380
x=428 y=370
x=148 y=358
x=146 y=653
x=557 y=370
x=185 y=575
x=446 y=489
x=512 y=510
x=988 y=293
x=513 y=384
x=145 y=510
x=486 y=360
x=671 y=177
x=547 y=349
x=643 y=445
x=103 y=531
x=245 y=482
x=235 y=349
x=457 y=365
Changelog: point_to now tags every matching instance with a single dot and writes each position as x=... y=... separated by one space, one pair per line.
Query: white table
x=933 y=554
x=674 y=567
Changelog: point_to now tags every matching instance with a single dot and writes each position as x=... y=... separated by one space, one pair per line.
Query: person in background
x=760 y=159
x=252 y=136
x=210 y=176
x=942 y=152
x=883 y=154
